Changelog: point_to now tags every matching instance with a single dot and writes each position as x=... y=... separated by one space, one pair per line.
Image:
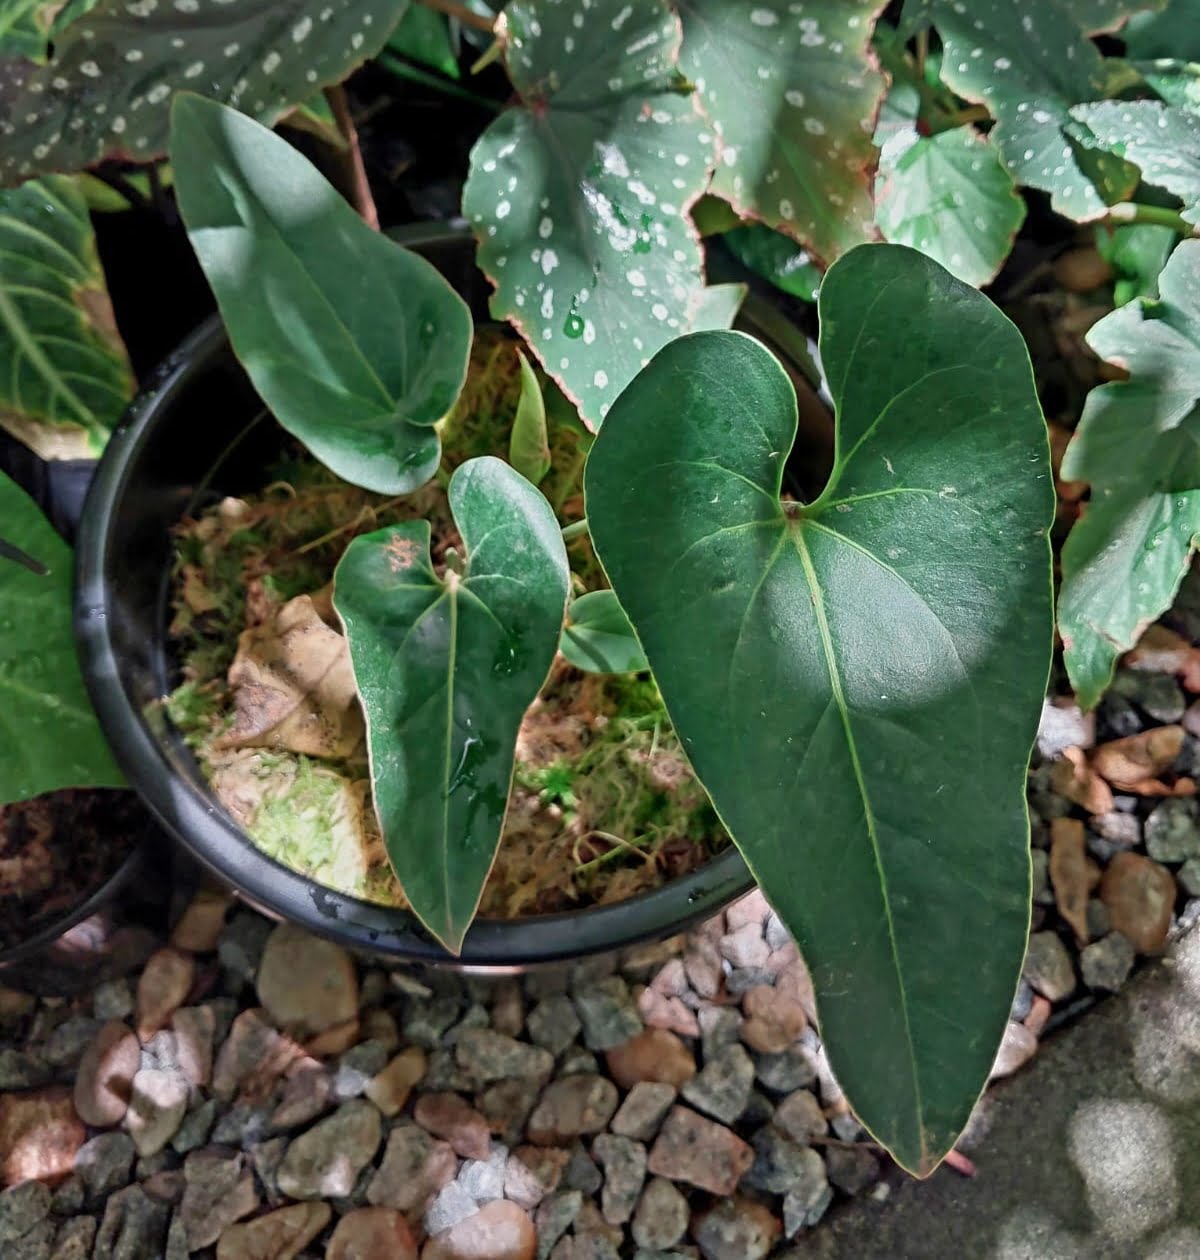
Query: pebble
x=194 y=1028
x=21 y=1070
x=483 y=1179
x=1129 y=762
x=607 y=1012
x=555 y=1215
x=372 y=1233
x=779 y=1162
x=553 y=1023
x=506 y=1106
x=67 y=1042
x=745 y=947
x=1140 y=896
x=156 y=1107
x=800 y=1117
x=356 y=1068
x=307 y=1094
x=736 y=1229
x=773 y=1022
x=699 y=1151
x=199 y=927
x=325 y=1161
x=1107 y=963
x=427 y=1020
x=104 y=1164
x=722 y=1088
x=68 y=1197
x=218 y=1190
x=661 y=1217
x=414 y=1168
x=74 y=1239
x=720 y=1026
x=533 y=1172
x=1073 y=874
x=162 y=988
x=134 y=1226
x=452 y=1203
x=703 y=967
x=571 y=1107
x=624 y=1164
x=1119 y=828
x=851 y=1168
x=39 y=1135
x=582 y=1171
x=105 y=1076
x=280 y=1235
x=491 y=1056
x=241 y=945
x=1048 y=966
x=1017 y=1047
x=389 y=1090
x=653 y=1055
x=806 y=1202
x=21 y=1208
x=643 y=1109
x=1064 y=726
x=782 y=1073
x=1172 y=831
x=253 y=1049
x=1188 y=876
x=498 y=1231
x=452 y=1118
x=307 y=984
x=658 y=1011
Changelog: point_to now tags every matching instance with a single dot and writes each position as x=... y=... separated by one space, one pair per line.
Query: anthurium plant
x=855 y=673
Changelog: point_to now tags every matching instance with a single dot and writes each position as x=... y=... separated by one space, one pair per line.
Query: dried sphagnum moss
x=603 y=803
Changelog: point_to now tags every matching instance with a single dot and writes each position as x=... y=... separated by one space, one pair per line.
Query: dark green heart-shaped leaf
x=949 y=196
x=858 y=680
x=776 y=258
x=598 y=637
x=107 y=88
x=1162 y=141
x=1171 y=32
x=1029 y=61
x=579 y=195
x=49 y=736
x=446 y=667
x=529 y=442
x=64 y=374
x=792 y=91
x=1139 y=445
x=357 y=345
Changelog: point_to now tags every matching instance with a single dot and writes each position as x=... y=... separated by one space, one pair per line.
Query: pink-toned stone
x=653 y=1055
x=199 y=927
x=307 y=984
x=699 y=1151
x=104 y=1078
x=1017 y=1047
x=162 y=989
x=219 y=1190
x=672 y=980
x=453 y=1119
x=498 y=1231
x=745 y=947
x=702 y=964
x=280 y=1235
x=307 y=1093
x=372 y=1233
x=660 y=1011
x=752 y=908
x=773 y=1020
x=39 y=1135
x=389 y=1090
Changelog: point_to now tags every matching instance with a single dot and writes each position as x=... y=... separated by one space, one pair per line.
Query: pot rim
x=198 y=821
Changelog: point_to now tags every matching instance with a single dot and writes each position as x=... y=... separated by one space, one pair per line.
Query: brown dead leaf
x=1073 y=874
x=1129 y=762
x=1072 y=777
x=294 y=687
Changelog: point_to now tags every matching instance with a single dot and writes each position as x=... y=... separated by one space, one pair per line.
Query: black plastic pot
x=199 y=432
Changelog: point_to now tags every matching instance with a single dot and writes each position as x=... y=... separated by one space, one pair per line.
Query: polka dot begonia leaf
x=1029 y=62
x=792 y=91
x=105 y=92
x=579 y=194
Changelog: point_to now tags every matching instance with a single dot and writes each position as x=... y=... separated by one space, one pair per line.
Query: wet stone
x=722 y=1087
x=553 y=1024
x=607 y=1012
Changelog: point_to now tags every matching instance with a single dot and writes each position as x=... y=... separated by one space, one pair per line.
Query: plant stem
x=460 y=11
x=959 y=118
x=1135 y=212
x=119 y=184
x=402 y=70
x=575 y=530
x=922 y=51
x=364 y=202
x=570 y=481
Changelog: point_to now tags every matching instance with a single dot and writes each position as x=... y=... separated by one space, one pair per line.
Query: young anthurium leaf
x=950 y=196
x=106 y=90
x=792 y=91
x=718 y=306
x=446 y=667
x=1162 y=141
x=1137 y=253
x=64 y=375
x=776 y=258
x=424 y=35
x=1029 y=61
x=579 y=195
x=529 y=443
x=357 y=345
x=49 y=736
x=598 y=637
x=858 y=680
x=1139 y=445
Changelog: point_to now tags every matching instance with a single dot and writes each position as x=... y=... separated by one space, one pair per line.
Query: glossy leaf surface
x=775 y=257
x=791 y=91
x=64 y=375
x=598 y=637
x=106 y=91
x=529 y=443
x=446 y=667
x=579 y=195
x=357 y=345
x=858 y=681
x=49 y=736
x=1139 y=445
